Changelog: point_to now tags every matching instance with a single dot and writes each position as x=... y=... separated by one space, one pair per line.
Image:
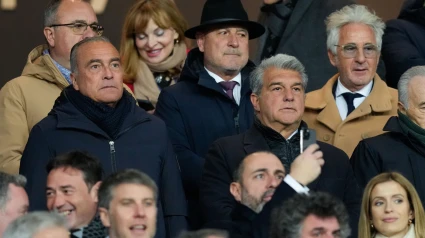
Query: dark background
x=22 y=29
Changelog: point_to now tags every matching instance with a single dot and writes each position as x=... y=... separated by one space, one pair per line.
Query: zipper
x=112 y=152
x=236 y=119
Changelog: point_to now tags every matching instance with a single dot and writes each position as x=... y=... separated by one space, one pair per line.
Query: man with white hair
x=13 y=199
x=355 y=103
x=38 y=225
x=402 y=148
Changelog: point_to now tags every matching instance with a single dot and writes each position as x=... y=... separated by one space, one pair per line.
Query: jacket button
x=326 y=137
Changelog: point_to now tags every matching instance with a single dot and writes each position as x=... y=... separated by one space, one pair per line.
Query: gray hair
x=75 y=48
x=352 y=14
x=279 y=61
x=51 y=10
x=128 y=176
x=287 y=220
x=204 y=233
x=30 y=224
x=403 y=83
x=5 y=180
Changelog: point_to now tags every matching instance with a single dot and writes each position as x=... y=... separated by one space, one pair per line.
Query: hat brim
x=254 y=29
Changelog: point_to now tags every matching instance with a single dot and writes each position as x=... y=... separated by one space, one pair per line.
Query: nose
x=274 y=182
x=288 y=95
x=58 y=201
x=360 y=58
x=139 y=211
x=233 y=40
x=151 y=41
x=108 y=73
x=388 y=207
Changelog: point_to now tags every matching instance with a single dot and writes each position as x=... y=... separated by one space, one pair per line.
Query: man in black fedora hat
x=212 y=98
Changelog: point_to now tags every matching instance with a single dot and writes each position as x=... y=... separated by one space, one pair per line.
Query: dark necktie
x=228 y=86
x=349 y=98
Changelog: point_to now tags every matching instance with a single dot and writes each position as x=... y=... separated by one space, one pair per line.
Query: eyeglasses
x=80 y=27
x=350 y=50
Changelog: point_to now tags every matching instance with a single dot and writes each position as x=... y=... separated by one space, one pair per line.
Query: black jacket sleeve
x=172 y=195
x=33 y=166
x=365 y=163
x=168 y=110
x=216 y=200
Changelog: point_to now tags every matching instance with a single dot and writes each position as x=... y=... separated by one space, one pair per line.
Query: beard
x=255 y=204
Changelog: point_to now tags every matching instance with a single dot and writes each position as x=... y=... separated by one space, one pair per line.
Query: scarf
x=410 y=233
x=410 y=128
x=107 y=118
x=285 y=150
x=145 y=86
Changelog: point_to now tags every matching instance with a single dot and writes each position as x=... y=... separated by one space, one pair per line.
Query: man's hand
x=308 y=165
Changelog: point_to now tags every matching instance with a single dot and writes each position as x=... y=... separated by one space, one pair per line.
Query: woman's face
x=390 y=209
x=155 y=44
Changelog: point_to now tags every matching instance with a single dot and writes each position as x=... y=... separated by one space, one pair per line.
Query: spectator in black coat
x=402 y=147
x=96 y=115
x=403 y=42
x=278 y=86
x=198 y=110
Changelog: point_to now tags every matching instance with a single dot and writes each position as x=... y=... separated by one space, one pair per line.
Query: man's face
x=315 y=226
x=99 y=74
x=132 y=212
x=357 y=72
x=16 y=206
x=281 y=103
x=262 y=173
x=225 y=50
x=68 y=193
x=416 y=101
x=53 y=232
x=62 y=38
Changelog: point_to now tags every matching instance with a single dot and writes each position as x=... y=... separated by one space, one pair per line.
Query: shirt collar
x=365 y=91
x=64 y=71
x=218 y=79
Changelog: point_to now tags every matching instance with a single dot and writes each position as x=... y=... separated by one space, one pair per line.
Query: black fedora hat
x=217 y=12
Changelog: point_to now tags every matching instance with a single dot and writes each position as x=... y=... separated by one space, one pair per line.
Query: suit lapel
x=295 y=18
x=254 y=141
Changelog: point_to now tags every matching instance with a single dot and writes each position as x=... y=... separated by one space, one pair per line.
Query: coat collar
x=379 y=101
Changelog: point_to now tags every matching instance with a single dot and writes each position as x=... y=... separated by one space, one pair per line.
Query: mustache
x=268 y=193
x=232 y=52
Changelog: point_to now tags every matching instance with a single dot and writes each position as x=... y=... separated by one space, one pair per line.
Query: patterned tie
x=228 y=86
x=349 y=98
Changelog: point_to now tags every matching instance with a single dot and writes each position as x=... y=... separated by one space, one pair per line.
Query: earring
x=176 y=41
x=371 y=225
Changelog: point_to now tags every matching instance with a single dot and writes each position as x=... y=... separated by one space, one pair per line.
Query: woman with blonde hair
x=391 y=208
x=152 y=47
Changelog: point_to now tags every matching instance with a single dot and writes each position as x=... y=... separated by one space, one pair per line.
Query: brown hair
x=365 y=230
x=163 y=12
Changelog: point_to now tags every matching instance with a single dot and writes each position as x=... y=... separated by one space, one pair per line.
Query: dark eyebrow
x=115 y=59
x=93 y=61
x=259 y=170
x=279 y=171
x=66 y=187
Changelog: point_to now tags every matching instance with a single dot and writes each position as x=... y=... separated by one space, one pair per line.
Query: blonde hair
x=365 y=230
x=163 y=12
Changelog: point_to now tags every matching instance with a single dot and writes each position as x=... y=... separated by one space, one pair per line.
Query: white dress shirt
x=236 y=89
x=342 y=104
x=295 y=185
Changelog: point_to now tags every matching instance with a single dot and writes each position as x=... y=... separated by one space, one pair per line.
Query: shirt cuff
x=295 y=185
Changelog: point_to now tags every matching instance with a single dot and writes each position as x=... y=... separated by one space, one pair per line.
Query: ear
x=49 y=35
x=332 y=58
x=74 y=82
x=235 y=190
x=200 y=40
x=176 y=35
x=402 y=108
x=411 y=214
x=255 y=100
x=104 y=216
x=93 y=191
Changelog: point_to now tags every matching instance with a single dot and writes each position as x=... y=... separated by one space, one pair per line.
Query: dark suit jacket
x=225 y=155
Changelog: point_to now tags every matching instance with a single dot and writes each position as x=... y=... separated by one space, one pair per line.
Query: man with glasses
x=27 y=99
x=355 y=103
